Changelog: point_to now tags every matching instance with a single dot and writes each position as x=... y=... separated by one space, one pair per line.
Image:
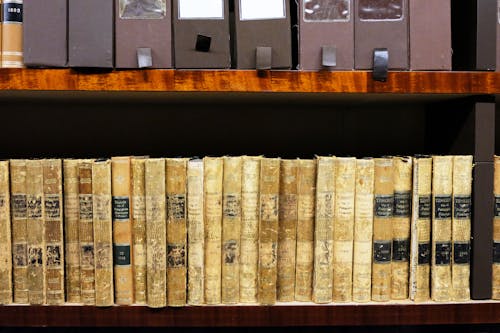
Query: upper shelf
x=249 y=81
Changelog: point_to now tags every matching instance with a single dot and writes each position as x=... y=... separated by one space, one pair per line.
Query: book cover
x=496 y=233
x=12 y=33
x=5 y=236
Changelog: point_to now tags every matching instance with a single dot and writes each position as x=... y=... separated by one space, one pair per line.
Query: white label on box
x=262 y=9
x=201 y=9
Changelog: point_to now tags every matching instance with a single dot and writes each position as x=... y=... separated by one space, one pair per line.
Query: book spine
x=12 y=33
x=496 y=232
x=382 y=229
x=461 y=227
x=54 y=242
x=323 y=230
x=442 y=187
x=86 y=232
x=231 y=228
x=249 y=229
x=401 y=227
x=268 y=230
x=71 y=234
x=420 y=254
x=176 y=190
x=196 y=233
x=19 y=232
x=213 y=168
x=139 y=229
x=35 y=232
x=122 y=230
x=287 y=233
x=103 y=233
x=5 y=236
x=363 y=231
x=156 y=233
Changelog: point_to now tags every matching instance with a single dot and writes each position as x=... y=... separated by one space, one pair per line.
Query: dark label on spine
x=382 y=252
x=19 y=206
x=52 y=207
x=230 y=252
x=442 y=207
x=402 y=204
x=462 y=207
x=35 y=256
x=496 y=252
x=461 y=253
x=87 y=255
x=400 y=249
x=424 y=253
x=34 y=207
x=497 y=206
x=20 y=255
x=176 y=255
x=384 y=205
x=176 y=207
x=121 y=209
x=12 y=12
x=443 y=253
x=232 y=205
x=85 y=204
x=121 y=255
x=424 y=207
x=53 y=255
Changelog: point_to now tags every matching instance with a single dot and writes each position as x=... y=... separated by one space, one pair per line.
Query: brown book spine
x=5 y=236
x=19 y=232
x=12 y=33
x=54 y=242
x=268 y=229
x=287 y=232
x=122 y=230
x=176 y=189
x=496 y=233
x=231 y=227
x=86 y=232
x=35 y=232
x=71 y=234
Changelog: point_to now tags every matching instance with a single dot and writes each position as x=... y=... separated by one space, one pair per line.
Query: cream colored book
x=249 y=238
x=323 y=230
x=287 y=232
x=5 y=236
x=156 y=233
x=231 y=228
x=420 y=253
x=363 y=230
x=213 y=169
x=54 y=241
x=442 y=188
x=496 y=233
x=196 y=233
x=12 y=34
x=461 y=227
x=103 y=233
x=176 y=190
x=403 y=167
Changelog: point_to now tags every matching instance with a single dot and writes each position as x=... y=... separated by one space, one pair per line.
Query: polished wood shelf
x=249 y=81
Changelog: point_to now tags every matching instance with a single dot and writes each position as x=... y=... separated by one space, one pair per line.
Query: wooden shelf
x=249 y=81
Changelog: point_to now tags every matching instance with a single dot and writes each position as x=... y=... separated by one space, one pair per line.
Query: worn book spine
x=268 y=230
x=213 y=168
x=461 y=227
x=176 y=190
x=5 y=236
x=35 y=232
x=103 y=233
x=382 y=229
x=496 y=232
x=122 y=230
x=86 y=232
x=156 y=233
x=139 y=229
x=442 y=176
x=401 y=227
x=250 y=182
x=287 y=232
x=363 y=231
x=231 y=227
x=323 y=230
x=196 y=233
x=12 y=33
x=420 y=253
x=54 y=242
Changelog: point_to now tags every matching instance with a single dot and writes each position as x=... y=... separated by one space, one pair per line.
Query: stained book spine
x=496 y=232
x=5 y=236
x=12 y=33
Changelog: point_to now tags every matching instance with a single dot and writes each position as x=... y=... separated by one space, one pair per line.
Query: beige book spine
x=176 y=190
x=12 y=34
x=382 y=229
x=139 y=229
x=231 y=228
x=249 y=237
x=268 y=230
x=86 y=232
x=420 y=254
x=403 y=167
x=363 y=231
x=213 y=168
x=442 y=187
x=103 y=233
x=122 y=230
x=196 y=233
x=496 y=232
x=19 y=232
x=461 y=227
x=5 y=236
x=35 y=232
x=54 y=242
x=323 y=230
x=287 y=232
x=156 y=233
